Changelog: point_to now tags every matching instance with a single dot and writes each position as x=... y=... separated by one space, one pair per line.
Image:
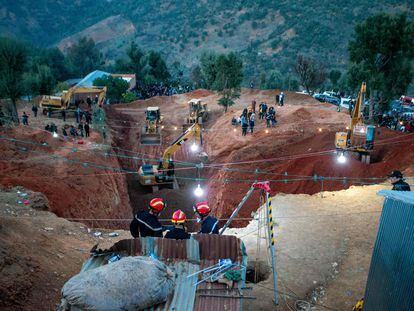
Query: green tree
x=208 y=68
x=54 y=59
x=115 y=87
x=311 y=74
x=275 y=80
x=228 y=79
x=263 y=80
x=334 y=76
x=156 y=67
x=381 y=53
x=129 y=97
x=30 y=84
x=13 y=58
x=196 y=77
x=62 y=86
x=84 y=56
x=46 y=81
x=135 y=63
x=177 y=71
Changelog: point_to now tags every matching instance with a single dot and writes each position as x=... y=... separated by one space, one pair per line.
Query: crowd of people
x=146 y=223
x=268 y=113
x=160 y=89
x=83 y=120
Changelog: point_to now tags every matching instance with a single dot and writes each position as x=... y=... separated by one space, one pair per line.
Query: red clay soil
x=39 y=252
x=125 y=122
x=290 y=146
x=74 y=189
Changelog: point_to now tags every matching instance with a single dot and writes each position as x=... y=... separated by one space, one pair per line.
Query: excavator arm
x=79 y=90
x=193 y=132
x=356 y=114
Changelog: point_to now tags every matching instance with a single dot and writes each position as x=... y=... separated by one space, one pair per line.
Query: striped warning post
x=272 y=235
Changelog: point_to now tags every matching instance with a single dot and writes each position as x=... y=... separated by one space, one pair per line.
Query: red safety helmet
x=157 y=205
x=202 y=208
x=178 y=217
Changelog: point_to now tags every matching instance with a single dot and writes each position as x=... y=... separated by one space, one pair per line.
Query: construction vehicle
x=68 y=98
x=359 y=138
x=197 y=113
x=163 y=174
x=150 y=133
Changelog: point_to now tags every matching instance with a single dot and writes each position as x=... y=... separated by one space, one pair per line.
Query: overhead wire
x=217 y=165
x=225 y=180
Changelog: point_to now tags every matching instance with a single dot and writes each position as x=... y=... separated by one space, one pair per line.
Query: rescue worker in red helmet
x=209 y=224
x=179 y=232
x=145 y=223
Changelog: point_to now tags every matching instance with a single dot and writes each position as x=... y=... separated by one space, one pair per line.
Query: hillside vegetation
x=268 y=34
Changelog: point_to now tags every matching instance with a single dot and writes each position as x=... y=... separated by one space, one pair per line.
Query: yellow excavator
x=150 y=133
x=197 y=113
x=67 y=100
x=359 y=138
x=163 y=174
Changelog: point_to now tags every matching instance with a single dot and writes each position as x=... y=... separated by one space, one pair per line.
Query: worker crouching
x=179 y=232
x=209 y=224
x=145 y=223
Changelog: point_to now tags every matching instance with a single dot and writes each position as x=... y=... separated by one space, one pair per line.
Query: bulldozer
x=197 y=113
x=150 y=133
x=67 y=100
x=163 y=174
x=359 y=138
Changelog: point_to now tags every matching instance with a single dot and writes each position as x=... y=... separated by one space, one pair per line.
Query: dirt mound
x=39 y=252
x=324 y=244
x=301 y=114
x=79 y=181
x=199 y=93
x=298 y=148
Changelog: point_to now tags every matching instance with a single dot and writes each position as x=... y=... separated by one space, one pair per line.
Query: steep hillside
x=268 y=34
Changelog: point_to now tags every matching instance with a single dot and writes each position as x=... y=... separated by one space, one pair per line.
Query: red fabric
x=262 y=185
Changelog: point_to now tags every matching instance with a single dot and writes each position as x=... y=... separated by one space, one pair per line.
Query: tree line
x=380 y=53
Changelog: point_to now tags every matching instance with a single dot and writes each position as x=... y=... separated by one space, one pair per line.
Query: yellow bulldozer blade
x=150 y=139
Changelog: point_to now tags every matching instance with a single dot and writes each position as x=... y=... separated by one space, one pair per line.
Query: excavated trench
x=300 y=148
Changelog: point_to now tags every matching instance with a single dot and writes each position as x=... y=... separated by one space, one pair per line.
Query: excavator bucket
x=150 y=139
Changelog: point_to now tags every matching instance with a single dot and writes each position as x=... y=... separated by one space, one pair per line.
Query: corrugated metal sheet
x=212 y=248
x=88 y=80
x=390 y=284
x=164 y=249
x=186 y=257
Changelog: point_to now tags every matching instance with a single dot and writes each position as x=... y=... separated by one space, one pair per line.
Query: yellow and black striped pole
x=272 y=245
x=272 y=235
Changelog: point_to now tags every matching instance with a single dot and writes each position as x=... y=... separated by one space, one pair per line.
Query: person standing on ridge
x=25 y=119
x=209 y=224
x=251 y=122
x=179 y=232
x=146 y=223
x=282 y=99
x=86 y=130
x=34 y=109
x=244 y=124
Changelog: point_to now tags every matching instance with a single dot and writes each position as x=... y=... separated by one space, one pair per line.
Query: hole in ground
x=257 y=271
